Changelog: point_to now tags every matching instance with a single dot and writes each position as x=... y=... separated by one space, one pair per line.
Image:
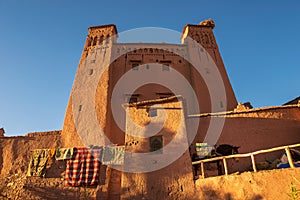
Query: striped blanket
x=84 y=168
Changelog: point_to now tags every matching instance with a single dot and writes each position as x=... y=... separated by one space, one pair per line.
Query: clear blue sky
x=41 y=43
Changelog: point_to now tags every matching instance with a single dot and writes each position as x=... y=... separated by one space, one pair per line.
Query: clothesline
x=82 y=166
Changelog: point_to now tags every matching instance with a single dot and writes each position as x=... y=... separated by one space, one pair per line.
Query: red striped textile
x=84 y=168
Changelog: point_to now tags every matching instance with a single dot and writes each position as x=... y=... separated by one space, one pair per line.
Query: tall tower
x=203 y=34
x=90 y=90
x=104 y=62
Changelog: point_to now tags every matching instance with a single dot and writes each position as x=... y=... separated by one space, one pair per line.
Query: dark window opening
x=132 y=99
x=135 y=66
x=165 y=95
x=165 y=67
x=156 y=144
x=152 y=112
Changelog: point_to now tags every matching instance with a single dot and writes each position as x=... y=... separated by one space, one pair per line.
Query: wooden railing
x=251 y=155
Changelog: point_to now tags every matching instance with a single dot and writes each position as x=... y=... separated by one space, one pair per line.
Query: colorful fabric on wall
x=84 y=168
x=64 y=153
x=113 y=155
x=38 y=162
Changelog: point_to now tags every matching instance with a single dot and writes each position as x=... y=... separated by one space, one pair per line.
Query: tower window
x=165 y=67
x=221 y=104
x=135 y=66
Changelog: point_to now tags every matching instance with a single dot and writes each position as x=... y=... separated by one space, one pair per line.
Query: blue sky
x=41 y=43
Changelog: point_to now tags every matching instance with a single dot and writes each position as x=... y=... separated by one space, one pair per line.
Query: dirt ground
x=269 y=184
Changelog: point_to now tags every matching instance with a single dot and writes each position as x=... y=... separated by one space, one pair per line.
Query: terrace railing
x=251 y=155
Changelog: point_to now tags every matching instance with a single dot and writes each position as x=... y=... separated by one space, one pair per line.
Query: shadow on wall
x=210 y=194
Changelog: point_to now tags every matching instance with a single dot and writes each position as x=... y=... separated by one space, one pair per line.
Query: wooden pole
x=289 y=156
x=202 y=170
x=225 y=166
x=253 y=163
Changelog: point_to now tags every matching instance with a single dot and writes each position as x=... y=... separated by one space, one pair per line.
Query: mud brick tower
x=101 y=50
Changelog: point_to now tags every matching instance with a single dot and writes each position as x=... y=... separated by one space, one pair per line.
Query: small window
x=221 y=104
x=165 y=67
x=152 y=112
x=156 y=144
x=135 y=66
x=91 y=71
x=165 y=95
x=80 y=108
x=132 y=99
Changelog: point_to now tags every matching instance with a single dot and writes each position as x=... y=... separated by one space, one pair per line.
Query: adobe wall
x=15 y=152
x=255 y=130
x=175 y=180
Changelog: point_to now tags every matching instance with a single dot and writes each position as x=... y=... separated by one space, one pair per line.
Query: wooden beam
x=225 y=166
x=289 y=156
x=202 y=170
x=253 y=163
